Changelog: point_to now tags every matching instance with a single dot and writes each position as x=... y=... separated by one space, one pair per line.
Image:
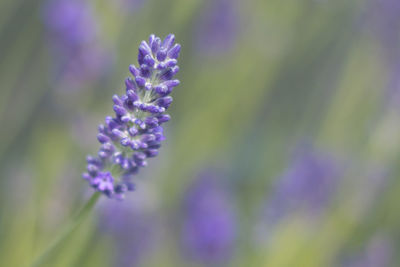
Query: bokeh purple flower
x=308 y=185
x=135 y=133
x=378 y=252
x=76 y=48
x=218 y=26
x=133 y=227
x=383 y=18
x=209 y=223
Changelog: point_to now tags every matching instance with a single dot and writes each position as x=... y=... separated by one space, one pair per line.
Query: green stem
x=69 y=229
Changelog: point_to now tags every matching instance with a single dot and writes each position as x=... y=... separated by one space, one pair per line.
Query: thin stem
x=69 y=229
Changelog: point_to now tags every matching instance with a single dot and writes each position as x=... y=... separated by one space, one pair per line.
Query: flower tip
x=168 y=41
x=174 y=51
x=135 y=71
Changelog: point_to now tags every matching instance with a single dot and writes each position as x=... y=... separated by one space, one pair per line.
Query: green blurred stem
x=77 y=220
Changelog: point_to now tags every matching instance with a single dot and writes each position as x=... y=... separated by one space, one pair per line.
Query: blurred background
x=283 y=147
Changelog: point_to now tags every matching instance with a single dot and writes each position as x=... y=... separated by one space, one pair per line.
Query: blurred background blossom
x=133 y=226
x=74 y=32
x=209 y=225
x=382 y=20
x=378 y=251
x=218 y=27
x=307 y=185
x=294 y=104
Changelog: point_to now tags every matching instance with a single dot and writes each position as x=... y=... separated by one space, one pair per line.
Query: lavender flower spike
x=135 y=132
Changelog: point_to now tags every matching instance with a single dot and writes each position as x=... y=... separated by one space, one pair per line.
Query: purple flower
x=74 y=38
x=103 y=181
x=133 y=227
x=135 y=132
x=308 y=184
x=378 y=252
x=383 y=17
x=209 y=228
x=217 y=28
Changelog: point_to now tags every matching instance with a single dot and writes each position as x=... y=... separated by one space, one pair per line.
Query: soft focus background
x=283 y=148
